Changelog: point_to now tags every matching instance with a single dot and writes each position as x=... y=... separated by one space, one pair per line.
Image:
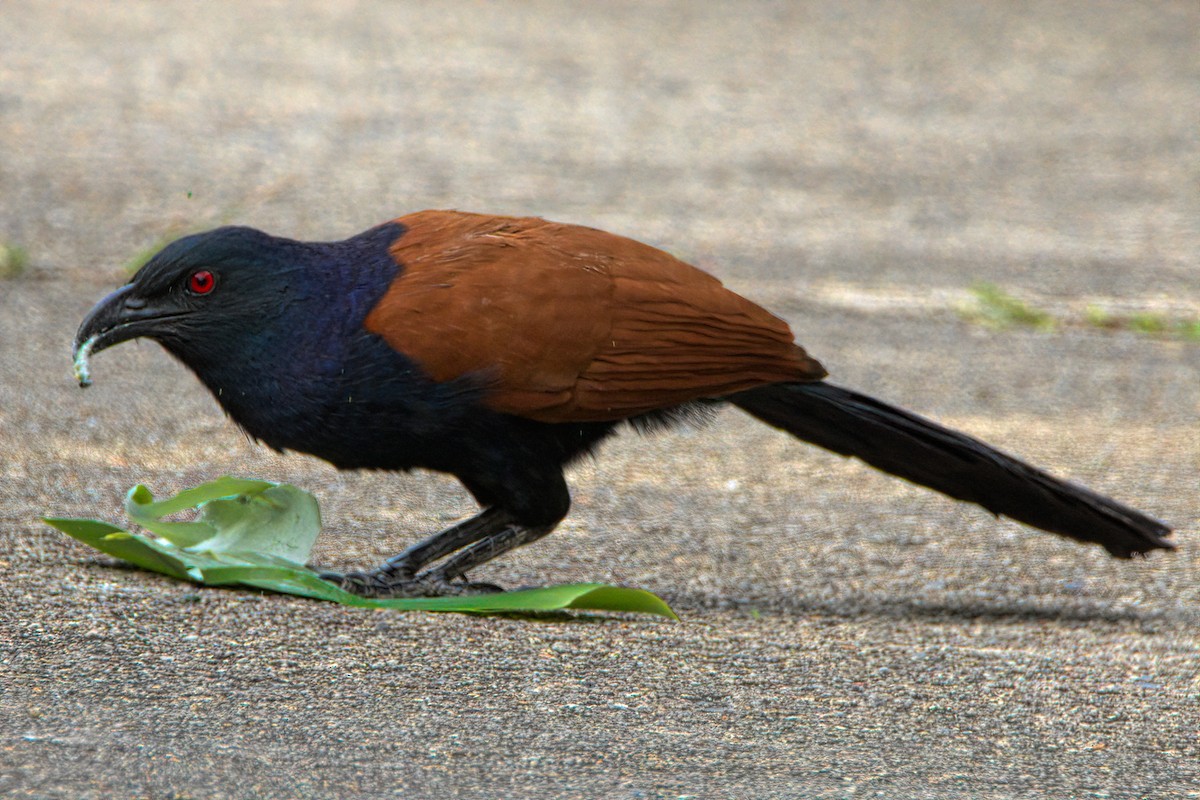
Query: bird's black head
x=198 y=295
x=273 y=327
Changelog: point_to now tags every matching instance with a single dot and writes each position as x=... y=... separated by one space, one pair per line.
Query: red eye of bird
x=202 y=282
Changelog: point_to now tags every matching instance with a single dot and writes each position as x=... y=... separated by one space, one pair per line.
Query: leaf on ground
x=259 y=534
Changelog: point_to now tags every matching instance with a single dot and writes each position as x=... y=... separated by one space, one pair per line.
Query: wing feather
x=570 y=324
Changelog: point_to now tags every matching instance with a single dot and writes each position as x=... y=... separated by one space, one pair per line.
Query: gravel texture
x=855 y=166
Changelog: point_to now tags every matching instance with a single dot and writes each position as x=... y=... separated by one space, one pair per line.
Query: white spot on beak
x=81 y=363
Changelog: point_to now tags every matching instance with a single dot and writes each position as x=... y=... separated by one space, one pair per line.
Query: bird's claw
x=384 y=584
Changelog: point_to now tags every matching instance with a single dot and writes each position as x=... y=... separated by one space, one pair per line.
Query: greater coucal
x=500 y=349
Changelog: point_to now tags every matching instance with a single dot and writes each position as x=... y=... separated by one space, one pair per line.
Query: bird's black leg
x=524 y=499
x=483 y=551
x=397 y=577
x=407 y=563
x=444 y=579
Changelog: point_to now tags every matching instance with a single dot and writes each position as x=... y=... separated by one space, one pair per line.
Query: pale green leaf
x=261 y=535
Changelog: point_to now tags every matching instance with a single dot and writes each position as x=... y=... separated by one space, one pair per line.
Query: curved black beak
x=112 y=320
x=117 y=318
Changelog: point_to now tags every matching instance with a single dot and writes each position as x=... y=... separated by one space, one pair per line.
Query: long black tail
x=953 y=463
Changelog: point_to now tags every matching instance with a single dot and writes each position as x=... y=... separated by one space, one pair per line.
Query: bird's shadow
x=893 y=607
x=695 y=604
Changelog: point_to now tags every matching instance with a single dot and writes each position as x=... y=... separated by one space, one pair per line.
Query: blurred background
x=1046 y=142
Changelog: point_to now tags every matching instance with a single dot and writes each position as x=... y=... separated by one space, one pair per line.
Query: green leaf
x=137 y=550
x=261 y=535
x=281 y=521
x=236 y=514
x=227 y=486
x=590 y=596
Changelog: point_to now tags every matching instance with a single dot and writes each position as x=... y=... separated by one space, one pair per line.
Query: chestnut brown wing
x=570 y=324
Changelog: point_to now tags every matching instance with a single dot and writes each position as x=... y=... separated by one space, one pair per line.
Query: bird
x=501 y=349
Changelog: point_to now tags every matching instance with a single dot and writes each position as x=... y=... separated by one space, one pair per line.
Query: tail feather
x=921 y=451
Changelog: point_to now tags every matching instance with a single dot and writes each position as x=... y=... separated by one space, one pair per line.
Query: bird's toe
x=383 y=585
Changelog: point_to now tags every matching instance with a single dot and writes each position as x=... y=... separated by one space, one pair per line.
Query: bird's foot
x=383 y=583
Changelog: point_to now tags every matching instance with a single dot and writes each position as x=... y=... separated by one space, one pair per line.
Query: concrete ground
x=855 y=166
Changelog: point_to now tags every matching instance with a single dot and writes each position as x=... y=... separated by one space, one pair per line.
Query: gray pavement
x=855 y=166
